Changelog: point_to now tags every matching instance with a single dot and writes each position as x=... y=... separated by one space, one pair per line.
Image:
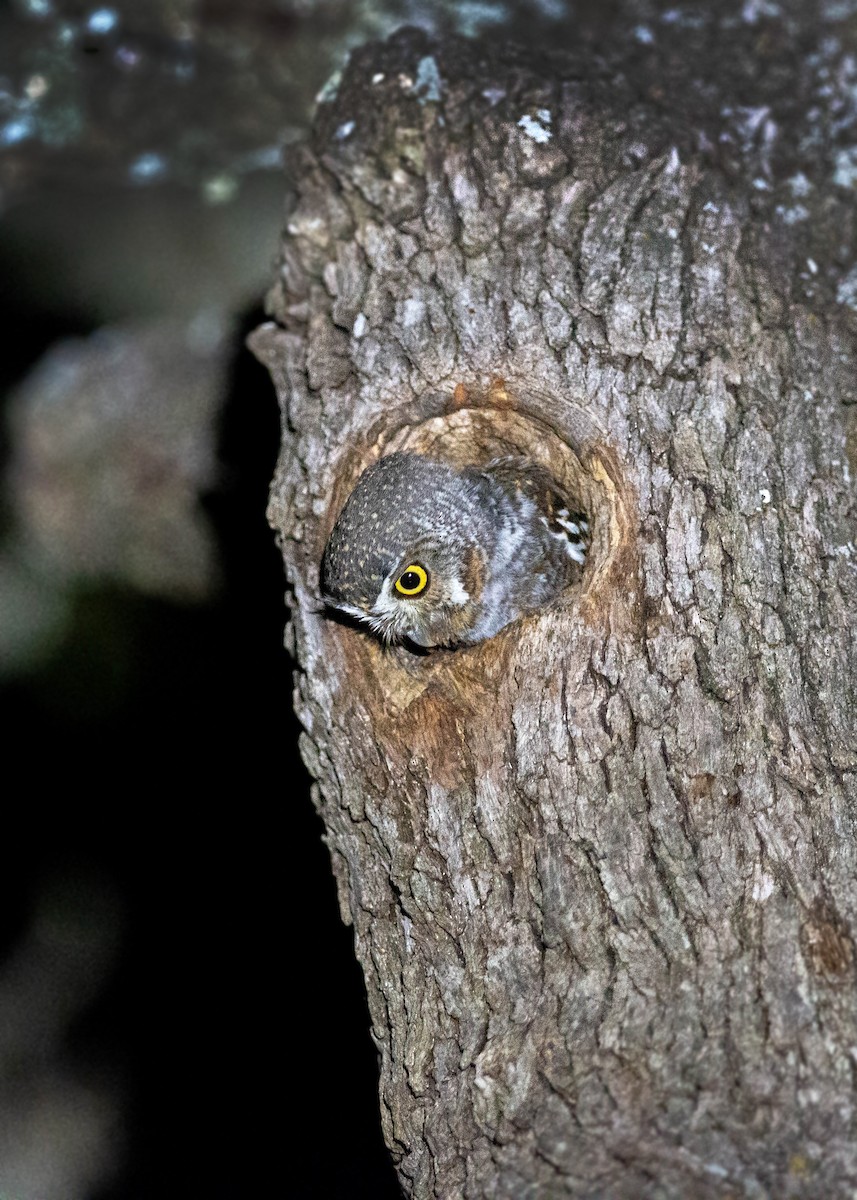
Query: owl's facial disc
x=405 y=600
x=416 y=604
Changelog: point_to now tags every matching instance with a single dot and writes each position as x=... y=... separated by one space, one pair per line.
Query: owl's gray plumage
x=477 y=548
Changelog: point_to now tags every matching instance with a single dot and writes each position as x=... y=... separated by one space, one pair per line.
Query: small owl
x=433 y=556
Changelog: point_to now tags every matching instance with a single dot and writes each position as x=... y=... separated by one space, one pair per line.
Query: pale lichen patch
x=535 y=129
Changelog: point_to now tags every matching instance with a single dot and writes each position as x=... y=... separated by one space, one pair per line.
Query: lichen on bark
x=601 y=869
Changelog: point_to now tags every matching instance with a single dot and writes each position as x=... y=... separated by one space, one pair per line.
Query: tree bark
x=601 y=868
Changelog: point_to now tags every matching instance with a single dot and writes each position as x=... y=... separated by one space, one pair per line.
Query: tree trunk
x=601 y=868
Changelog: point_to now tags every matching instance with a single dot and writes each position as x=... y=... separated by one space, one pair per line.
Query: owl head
x=403 y=555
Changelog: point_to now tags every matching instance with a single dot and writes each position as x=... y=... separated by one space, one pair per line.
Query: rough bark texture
x=601 y=869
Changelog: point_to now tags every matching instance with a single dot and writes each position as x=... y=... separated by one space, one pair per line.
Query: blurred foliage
x=60 y=1127
x=201 y=92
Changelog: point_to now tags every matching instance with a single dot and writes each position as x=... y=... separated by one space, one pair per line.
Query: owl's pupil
x=410 y=581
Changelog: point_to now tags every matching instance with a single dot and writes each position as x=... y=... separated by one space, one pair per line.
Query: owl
x=433 y=556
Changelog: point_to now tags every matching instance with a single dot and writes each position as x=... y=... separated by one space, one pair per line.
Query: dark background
x=158 y=767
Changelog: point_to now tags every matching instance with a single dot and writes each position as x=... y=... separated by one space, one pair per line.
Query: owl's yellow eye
x=412 y=581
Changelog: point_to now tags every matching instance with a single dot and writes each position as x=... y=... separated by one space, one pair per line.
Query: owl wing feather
x=521 y=476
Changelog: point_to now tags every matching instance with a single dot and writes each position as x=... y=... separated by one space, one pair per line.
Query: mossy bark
x=601 y=868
